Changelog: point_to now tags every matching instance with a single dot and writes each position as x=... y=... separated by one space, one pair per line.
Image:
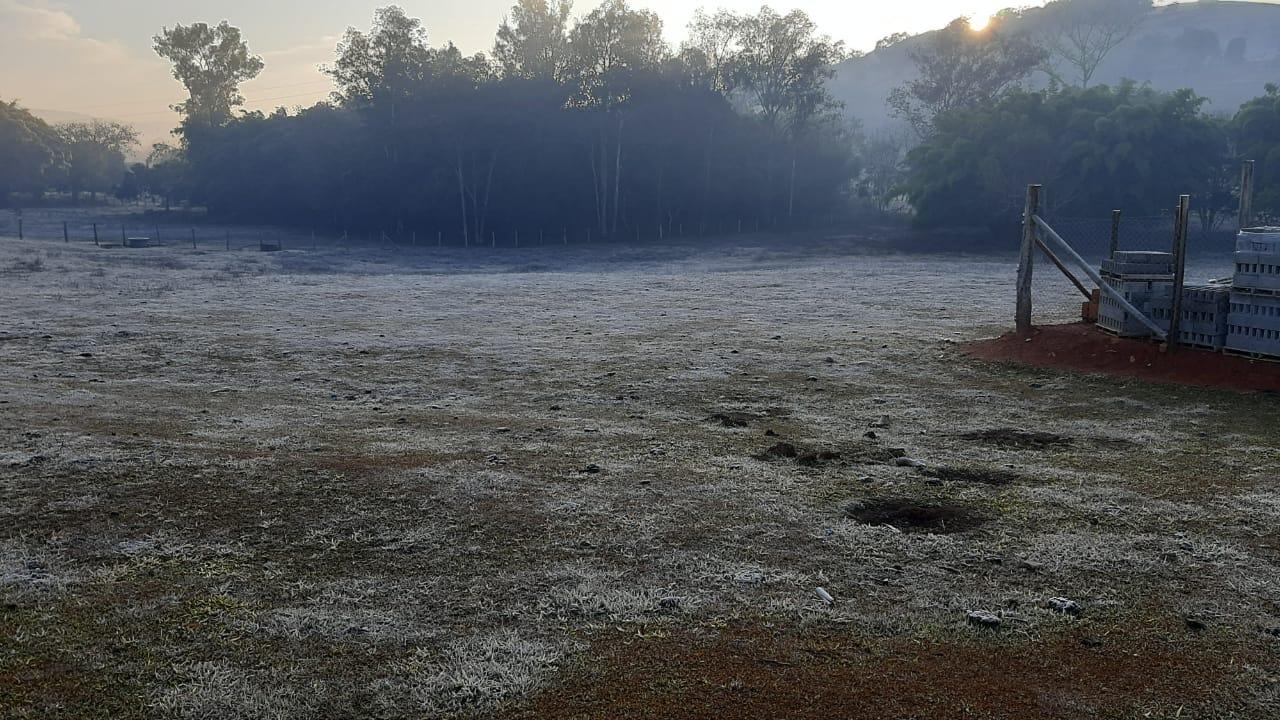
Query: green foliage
x=211 y=62
x=95 y=153
x=533 y=41
x=1257 y=131
x=30 y=152
x=1098 y=149
x=622 y=137
x=958 y=68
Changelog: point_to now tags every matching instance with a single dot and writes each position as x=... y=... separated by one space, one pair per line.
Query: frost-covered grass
x=345 y=483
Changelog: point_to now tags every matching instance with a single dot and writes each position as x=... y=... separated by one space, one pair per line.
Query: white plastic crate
x=1261 y=239
x=1257 y=271
x=1153 y=298
x=1129 y=263
x=1204 y=316
x=1253 y=324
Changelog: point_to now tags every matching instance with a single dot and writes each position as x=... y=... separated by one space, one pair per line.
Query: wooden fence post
x=20 y=235
x=1179 y=267
x=1115 y=233
x=1027 y=259
x=1246 y=195
x=66 y=236
x=95 y=234
x=193 y=238
x=228 y=239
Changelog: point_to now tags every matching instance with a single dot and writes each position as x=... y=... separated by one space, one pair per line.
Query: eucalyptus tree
x=533 y=40
x=211 y=62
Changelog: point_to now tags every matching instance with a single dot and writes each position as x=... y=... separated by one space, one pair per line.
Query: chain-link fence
x=1092 y=237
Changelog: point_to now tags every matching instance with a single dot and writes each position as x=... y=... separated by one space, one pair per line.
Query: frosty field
x=605 y=483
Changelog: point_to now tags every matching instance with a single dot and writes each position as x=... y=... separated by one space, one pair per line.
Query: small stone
x=908 y=462
x=984 y=619
x=1195 y=624
x=1065 y=606
x=556 y=408
x=871 y=435
x=592 y=469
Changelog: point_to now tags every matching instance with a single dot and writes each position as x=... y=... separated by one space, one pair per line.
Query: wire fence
x=1092 y=237
x=134 y=231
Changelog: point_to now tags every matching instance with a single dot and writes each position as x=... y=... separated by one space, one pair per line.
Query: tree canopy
x=211 y=62
x=1099 y=148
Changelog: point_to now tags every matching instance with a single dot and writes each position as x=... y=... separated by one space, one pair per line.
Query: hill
x=1226 y=51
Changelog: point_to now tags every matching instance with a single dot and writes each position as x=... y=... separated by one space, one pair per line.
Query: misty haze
x=630 y=359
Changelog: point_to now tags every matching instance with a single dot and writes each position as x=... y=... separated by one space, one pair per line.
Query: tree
x=96 y=154
x=164 y=172
x=533 y=41
x=30 y=152
x=211 y=62
x=959 y=67
x=384 y=65
x=883 y=155
x=783 y=65
x=1098 y=149
x=1082 y=33
x=1256 y=128
x=610 y=49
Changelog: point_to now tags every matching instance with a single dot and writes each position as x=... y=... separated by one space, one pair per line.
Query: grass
x=306 y=486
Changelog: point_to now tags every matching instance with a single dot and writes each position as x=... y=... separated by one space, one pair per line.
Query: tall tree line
x=589 y=127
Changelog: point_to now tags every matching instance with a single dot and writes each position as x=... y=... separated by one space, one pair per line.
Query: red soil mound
x=1085 y=348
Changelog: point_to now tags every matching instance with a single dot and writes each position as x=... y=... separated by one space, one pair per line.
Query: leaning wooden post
x=1179 y=268
x=20 y=235
x=1246 y=195
x=1115 y=233
x=1026 y=260
x=66 y=236
x=193 y=238
x=95 y=234
x=228 y=239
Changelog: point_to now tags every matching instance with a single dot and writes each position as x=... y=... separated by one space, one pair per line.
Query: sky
x=94 y=57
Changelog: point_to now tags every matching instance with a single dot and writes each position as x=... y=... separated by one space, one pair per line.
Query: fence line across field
x=105 y=234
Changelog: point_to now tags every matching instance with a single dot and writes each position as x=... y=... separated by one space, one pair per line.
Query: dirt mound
x=1085 y=348
x=860 y=454
x=975 y=475
x=914 y=516
x=732 y=419
x=1019 y=439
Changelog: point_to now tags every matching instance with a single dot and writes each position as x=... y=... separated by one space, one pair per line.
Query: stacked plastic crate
x=1253 y=322
x=1204 y=316
x=1145 y=279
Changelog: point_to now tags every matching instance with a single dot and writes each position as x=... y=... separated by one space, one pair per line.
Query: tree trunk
x=462 y=198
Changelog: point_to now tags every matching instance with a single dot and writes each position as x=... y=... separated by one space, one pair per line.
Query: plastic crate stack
x=1204 y=316
x=1145 y=279
x=1253 y=321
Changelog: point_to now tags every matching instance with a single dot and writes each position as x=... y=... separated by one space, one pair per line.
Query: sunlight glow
x=978 y=23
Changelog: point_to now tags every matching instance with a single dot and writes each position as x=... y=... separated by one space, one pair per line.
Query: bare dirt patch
x=915 y=516
x=751 y=672
x=1084 y=348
